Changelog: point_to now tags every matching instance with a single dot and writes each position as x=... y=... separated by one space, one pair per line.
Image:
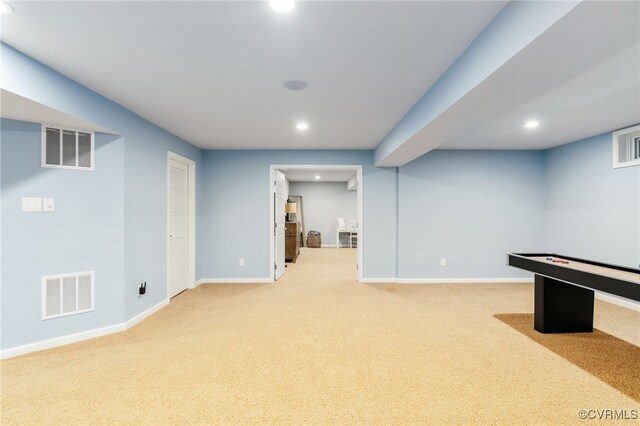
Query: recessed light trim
x=532 y=124
x=6 y=8
x=302 y=126
x=317 y=177
x=295 y=85
x=282 y=6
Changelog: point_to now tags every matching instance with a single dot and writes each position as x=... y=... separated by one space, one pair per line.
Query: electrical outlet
x=443 y=261
x=241 y=261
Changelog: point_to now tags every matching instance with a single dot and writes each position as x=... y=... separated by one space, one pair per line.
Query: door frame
x=319 y=167
x=191 y=217
x=284 y=225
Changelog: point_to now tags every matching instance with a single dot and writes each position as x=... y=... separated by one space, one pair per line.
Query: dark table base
x=562 y=307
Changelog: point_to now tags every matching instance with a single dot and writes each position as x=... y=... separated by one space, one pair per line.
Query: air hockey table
x=564 y=288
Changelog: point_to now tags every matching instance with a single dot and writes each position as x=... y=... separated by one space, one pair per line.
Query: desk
x=345 y=230
x=564 y=292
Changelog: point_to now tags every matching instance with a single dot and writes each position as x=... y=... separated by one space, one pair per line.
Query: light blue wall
x=241 y=178
x=470 y=207
x=145 y=199
x=67 y=240
x=593 y=210
x=324 y=203
x=143 y=191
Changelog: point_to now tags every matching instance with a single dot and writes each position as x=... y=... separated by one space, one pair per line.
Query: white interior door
x=278 y=214
x=178 y=229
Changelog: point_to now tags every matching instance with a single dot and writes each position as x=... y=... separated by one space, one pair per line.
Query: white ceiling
x=212 y=72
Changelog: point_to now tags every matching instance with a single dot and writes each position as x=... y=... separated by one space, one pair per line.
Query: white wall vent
x=67 y=294
x=67 y=148
x=626 y=147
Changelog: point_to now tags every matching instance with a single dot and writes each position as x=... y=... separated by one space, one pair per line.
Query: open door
x=178 y=228
x=278 y=226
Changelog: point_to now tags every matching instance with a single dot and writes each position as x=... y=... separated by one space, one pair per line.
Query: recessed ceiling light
x=282 y=6
x=531 y=124
x=6 y=8
x=295 y=85
x=302 y=126
x=317 y=177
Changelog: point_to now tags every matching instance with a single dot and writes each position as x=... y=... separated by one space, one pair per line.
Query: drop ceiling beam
x=516 y=26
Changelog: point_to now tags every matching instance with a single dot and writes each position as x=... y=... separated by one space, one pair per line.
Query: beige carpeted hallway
x=317 y=348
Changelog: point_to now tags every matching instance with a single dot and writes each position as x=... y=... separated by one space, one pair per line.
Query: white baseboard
x=233 y=281
x=60 y=341
x=328 y=245
x=78 y=337
x=446 y=280
x=620 y=301
x=379 y=280
x=144 y=314
x=464 y=280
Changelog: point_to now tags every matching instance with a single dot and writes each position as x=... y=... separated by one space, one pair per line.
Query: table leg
x=562 y=307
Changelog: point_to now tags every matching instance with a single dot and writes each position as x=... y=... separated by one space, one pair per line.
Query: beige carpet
x=612 y=360
x=317 y=348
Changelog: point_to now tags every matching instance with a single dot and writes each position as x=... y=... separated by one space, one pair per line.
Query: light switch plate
x=48 y=204
x=31 y=204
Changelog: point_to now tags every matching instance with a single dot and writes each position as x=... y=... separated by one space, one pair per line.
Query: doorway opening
x=348 y=175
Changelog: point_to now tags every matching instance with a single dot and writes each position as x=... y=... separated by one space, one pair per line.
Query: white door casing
x=178 y=228
x=319 y=167
x=278 y=215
